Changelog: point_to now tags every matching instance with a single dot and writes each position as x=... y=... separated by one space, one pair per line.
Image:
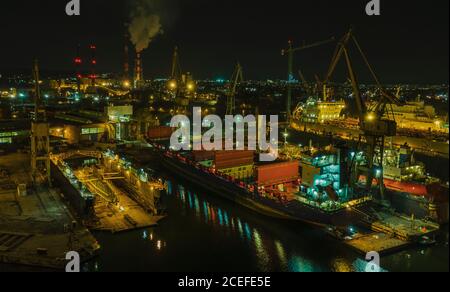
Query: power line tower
x=234 y=82
x=40 y=141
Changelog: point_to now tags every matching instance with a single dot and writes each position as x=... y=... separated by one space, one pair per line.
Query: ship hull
x=418 y=206
x=256 y=203
x=415 y=199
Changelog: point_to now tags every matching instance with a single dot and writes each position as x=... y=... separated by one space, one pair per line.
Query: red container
x=161 y=132
x=277 y=173
x=203 y=155
x=230 y=159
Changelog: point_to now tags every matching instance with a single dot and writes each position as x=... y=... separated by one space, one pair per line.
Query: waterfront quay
x=424 y=146
x=36 y=227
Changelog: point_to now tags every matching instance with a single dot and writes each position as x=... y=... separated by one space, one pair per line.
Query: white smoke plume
x=145 y=23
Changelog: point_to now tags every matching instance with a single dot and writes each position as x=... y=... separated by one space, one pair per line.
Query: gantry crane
x=235 y=80
x=373 y=126
x=289 y=52
x=310 y=90
x=179 y=83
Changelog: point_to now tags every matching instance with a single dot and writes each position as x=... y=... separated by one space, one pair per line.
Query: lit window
x=5 y=140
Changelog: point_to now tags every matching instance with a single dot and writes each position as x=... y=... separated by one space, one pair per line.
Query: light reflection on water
x=269 y=252
x=213 y=215
x=203 y=233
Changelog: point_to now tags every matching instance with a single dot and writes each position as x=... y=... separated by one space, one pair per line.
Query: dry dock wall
x=83 y=207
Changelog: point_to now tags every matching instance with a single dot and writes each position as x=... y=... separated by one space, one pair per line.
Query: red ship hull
x=415 y=189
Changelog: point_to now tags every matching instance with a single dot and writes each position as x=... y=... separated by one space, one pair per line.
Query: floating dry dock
x=120 y=198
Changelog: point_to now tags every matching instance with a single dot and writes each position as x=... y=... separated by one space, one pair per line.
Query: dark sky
x=408 y=43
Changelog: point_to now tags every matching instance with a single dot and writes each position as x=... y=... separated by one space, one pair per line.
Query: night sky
x=407 y=44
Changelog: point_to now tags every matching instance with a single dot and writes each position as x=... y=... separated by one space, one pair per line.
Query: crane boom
x=289 y=52
x=310 y=46
x=235 y=80
x=305 y=84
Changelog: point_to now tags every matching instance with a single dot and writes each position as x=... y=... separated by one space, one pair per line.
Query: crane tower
x=40 y=141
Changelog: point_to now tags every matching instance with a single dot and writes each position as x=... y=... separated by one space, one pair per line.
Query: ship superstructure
x=417 y=116
x=319 y=111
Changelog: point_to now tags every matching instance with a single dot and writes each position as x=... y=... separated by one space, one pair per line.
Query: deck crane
x=235 y=80
x=374 y=128
x=289 y=52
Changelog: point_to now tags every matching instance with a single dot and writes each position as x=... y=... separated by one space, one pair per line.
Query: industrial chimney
x=93 y=75
x=138 y=74
x=78 y=62
x=126 y=61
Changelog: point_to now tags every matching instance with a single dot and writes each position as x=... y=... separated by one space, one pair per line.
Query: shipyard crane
x=305 y=84
x=175 y=76
x=176 y=69
x=310 y=90
x=289 y=52
x=373 y=126
x=235 y=80
x=40 y=135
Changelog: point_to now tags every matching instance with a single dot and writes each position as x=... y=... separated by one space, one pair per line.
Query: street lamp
x=172 y=85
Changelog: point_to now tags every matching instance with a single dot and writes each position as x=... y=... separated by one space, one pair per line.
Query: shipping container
x=203 y=155
x=160 y=133
x=230 y=159
x=309 y=173
x=277 y=173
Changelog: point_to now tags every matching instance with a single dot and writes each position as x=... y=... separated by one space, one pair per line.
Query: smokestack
x=78 y=61
x=139 y=74
x=126 y=61
x=93 y=62
x=145 y=25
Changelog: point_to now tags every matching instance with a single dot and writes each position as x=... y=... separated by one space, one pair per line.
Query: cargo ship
x=271 y=189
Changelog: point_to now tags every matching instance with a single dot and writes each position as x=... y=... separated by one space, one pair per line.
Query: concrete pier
x=36 y=228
